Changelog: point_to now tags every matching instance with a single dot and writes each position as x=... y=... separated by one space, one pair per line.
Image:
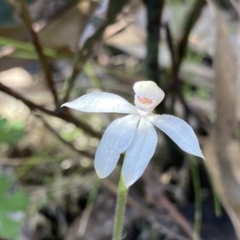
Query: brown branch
x=61 y=113
x=181 y=49
x=178 y=53
x=114 y=8
x=28 y=22
x=191 y=19
x=170 y=44
x=181 y=46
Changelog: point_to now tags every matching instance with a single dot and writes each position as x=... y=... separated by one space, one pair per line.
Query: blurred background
x=53 y=51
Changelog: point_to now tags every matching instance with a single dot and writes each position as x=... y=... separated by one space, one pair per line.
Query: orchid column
x=134 y=134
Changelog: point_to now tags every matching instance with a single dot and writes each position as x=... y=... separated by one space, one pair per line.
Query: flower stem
x=120 y=210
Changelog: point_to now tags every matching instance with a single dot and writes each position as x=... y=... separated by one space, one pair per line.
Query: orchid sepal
x=116 y=139
x=140 y=152
x=101 y=102
x=179 y=131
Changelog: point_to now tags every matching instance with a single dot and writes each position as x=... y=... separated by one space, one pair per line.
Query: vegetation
x=52 y=52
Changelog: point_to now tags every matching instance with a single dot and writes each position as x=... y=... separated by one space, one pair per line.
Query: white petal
x=179 y=131
x=116 y=139
x=101 y=102
x=139 y=152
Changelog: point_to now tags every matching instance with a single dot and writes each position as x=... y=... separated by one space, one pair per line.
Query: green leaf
x=16 y=201
x=27 y=50
x=10 y=203
x=11 y=132
x=4 y=185
x=8 y=227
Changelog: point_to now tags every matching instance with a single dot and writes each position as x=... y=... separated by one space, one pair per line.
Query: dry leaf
x=222 y=151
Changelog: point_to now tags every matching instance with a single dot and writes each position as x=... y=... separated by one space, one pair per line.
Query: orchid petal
x=139 y=152
x=179 y=131
x=101 y=102
x=147 y=95
x=116 y=139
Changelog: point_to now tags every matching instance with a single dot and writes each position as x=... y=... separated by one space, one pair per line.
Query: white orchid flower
x=135 y=132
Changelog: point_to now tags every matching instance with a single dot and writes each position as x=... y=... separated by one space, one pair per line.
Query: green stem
x=154 y=12
x=216 y=202
x=89 y=71
x=120 y=210
x=197 y=198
